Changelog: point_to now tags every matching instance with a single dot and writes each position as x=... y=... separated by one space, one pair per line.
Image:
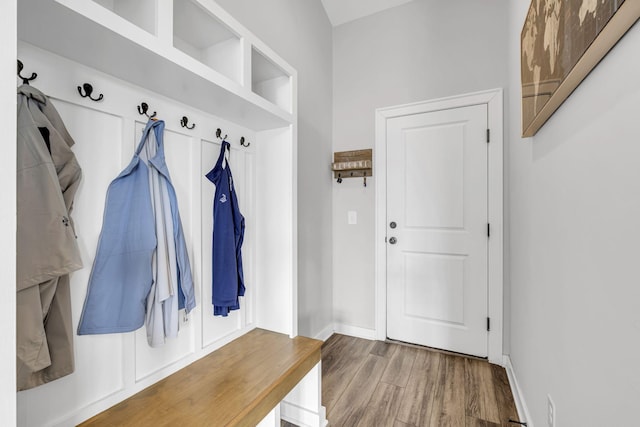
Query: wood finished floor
x=376 y=384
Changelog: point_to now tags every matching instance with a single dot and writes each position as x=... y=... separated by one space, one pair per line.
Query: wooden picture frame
x=561 y=42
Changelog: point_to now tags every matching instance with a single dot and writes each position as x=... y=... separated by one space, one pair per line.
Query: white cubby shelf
x=189 y=50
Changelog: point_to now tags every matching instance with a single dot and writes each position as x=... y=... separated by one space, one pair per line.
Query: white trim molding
x=303 y=405
x=325 y=334
x=356 y=331
x=302 y=417
x=518 y=397
x=494 y=101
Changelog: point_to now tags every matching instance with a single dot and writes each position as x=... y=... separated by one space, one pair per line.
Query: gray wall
x=300 y=32
x=422 y=50
x=575 y=228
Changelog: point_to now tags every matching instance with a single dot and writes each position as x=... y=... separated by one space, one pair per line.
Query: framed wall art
x=561 y=42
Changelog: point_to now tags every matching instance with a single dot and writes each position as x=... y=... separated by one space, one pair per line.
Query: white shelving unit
x=180 y=55
x=140 y=13
x=219 y=47
x=209 y=67
x=270 y=81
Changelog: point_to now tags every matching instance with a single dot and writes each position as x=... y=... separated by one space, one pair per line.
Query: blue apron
x=228 y=234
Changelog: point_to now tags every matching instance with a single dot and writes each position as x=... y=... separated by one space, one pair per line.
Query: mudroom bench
x=247 y=382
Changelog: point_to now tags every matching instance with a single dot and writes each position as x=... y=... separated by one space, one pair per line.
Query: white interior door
x=437 y=229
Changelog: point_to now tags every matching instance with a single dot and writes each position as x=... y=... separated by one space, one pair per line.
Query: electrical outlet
x=352 y=217
x=551 y=412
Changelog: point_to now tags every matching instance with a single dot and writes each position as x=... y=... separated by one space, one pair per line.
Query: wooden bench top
x=236 y=385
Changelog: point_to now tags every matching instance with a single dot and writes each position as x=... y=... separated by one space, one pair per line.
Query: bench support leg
x=303 y=406
x=272 y=419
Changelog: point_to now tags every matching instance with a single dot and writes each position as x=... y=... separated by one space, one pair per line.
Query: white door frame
x=493 y=100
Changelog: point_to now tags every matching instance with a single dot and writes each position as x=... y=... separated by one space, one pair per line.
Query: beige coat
x=48 y=176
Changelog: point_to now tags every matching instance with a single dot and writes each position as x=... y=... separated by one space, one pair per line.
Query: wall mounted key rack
x=352 y=164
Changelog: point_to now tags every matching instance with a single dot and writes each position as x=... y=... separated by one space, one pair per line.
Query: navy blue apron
x=228 y=234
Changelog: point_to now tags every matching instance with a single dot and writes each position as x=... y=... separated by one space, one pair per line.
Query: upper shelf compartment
x=200 y=35
x=191 y=51
x=140 y=13
x=270 y=81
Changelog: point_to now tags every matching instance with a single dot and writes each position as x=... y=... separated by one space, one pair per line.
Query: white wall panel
x=246 y=183
x=113 y=366
x=8 y=212
x=274 y=242
x=99 y=361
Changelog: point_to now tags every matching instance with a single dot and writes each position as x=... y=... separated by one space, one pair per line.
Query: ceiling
x=342 y=11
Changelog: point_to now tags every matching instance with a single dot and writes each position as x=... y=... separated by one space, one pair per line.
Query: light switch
x=352 y=217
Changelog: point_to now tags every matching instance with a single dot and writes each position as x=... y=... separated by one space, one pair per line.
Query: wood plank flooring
x=376 y=384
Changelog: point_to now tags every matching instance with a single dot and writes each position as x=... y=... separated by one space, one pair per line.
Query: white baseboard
x=324 y=334
x=355 y=331
x=518 y=397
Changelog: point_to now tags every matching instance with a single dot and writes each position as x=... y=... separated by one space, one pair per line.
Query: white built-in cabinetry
x=183 y=58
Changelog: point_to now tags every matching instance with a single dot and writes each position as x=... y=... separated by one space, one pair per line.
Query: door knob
x=392 y=224
x=393 y=240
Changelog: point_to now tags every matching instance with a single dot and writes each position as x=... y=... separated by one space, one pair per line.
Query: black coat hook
x=143 y=108
x=218 y=133
x=88 y=90
x=243 y=143
x=184 y=122
x=25 y=80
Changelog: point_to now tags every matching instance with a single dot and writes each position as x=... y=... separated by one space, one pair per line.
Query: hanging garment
x=162 y=302
x=48 y=176
x=228 y=234
x=141 y=270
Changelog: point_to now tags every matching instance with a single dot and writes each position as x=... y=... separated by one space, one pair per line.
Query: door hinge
x=488 y=230
x=488 y=324
x=488 y=135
